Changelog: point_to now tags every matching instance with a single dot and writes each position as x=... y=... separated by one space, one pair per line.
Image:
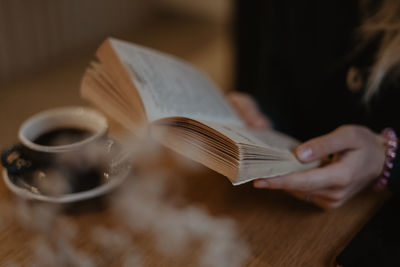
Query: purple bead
x=392 y=144
x=380 y=185
x=384 y=181
x=390 y=154
x=386 y=173
x=389 y=164
x=389 y=133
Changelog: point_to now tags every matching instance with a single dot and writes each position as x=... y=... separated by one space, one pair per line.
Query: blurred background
x=36 y=35
x=45 y=45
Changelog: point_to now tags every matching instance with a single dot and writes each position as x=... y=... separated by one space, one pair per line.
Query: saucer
x=115 y=176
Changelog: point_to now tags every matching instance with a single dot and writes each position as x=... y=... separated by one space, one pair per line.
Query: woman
x=326 y=72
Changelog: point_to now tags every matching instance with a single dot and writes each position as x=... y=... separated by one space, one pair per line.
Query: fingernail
x=261 y=184
x=304 y=153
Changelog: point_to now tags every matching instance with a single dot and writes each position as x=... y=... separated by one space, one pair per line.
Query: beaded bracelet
x=391 y=145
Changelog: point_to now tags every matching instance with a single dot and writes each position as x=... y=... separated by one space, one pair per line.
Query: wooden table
x=280 y=230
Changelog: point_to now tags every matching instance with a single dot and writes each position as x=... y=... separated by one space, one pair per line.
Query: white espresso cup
x=67 y=140
x=85 y=165
x=80 y=118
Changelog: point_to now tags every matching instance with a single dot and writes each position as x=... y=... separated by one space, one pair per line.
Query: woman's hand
x=358 y=159
x=248 y=110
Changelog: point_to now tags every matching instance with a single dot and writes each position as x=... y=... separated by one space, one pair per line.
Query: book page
x=170 y=87
x=263 y=153
x=249 y=171
x=242 y=154
x=274 y=138
x=260 y=138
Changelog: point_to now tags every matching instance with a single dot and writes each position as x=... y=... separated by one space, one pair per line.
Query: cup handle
x=14 y=160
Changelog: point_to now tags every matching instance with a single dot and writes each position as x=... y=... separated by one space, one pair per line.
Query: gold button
x=354 y=80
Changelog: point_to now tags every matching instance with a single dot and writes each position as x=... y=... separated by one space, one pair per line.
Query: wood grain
x=280 y=230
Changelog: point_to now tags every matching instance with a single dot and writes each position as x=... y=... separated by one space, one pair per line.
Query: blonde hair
x=383 y=23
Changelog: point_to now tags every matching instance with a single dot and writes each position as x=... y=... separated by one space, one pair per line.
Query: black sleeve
x=394 y=181
x=384 y=113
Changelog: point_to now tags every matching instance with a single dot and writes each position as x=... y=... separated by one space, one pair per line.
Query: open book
x=136 y=85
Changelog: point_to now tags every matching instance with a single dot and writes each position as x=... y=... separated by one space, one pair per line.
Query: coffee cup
x=54 y=141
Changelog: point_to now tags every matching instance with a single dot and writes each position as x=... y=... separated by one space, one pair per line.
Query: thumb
x=341 y=139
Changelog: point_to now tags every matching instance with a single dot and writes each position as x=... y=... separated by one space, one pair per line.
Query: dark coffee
x=62 y=136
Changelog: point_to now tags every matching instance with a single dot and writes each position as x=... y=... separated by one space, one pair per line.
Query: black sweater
x=294 y=57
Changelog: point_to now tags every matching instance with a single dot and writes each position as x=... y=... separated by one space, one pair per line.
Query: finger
x=334 y=194
x=242 y=99
x=317 y=200
x=243 y=103
x=248 y=110
x=300 y=195
x=310 y=180
x=326 y=204
x=322 y=202
x=327 y=198
x=331 y=194
x=343 y=138
x=331 y=199
x=256 y=120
